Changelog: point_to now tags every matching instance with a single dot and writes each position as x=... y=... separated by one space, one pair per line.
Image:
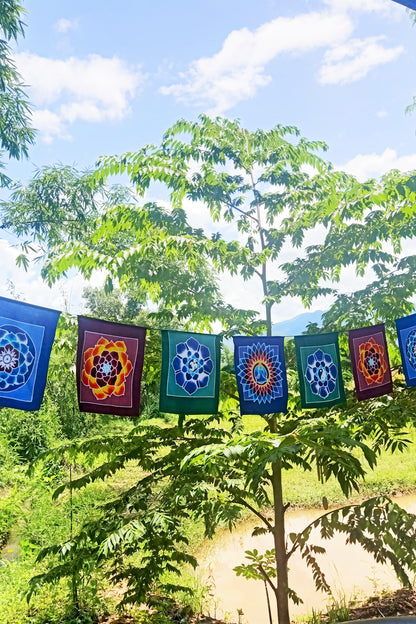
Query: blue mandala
x=321 y=373
x=17 y=357
x=192 y=365
x=260 y=373
x=411 y=348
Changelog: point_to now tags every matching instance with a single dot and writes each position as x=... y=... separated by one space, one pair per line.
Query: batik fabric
x=261 y=374
x=319 y=370
x=370 y=361
x=26 y=337
x=406 y=334
x=190 y=373
x=109 y=367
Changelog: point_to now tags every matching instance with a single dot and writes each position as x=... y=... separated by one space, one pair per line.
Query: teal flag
x=190 y=378
x=319 y=370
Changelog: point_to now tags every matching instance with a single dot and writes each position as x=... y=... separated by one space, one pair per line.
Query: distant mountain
x=298 y=324
x=292 y=327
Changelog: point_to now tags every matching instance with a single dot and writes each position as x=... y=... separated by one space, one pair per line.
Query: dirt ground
x=400 y=602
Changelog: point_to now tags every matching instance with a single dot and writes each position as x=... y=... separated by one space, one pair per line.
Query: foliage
x=16 y=135
x=276 y=189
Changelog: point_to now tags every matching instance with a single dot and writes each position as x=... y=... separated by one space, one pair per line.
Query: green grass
x=394 y=474
x=40 y=521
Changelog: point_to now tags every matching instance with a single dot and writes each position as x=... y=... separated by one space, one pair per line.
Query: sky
x=106 y=78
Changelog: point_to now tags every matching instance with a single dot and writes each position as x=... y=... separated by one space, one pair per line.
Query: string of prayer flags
x=319 y=370
x=370 y=361
x=26 y=337
x=406 y=334
x=190 y=378
x=109 y=367
x=261 y=374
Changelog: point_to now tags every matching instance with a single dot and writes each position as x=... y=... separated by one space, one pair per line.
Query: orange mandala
x=372 y=363
x=106 y=367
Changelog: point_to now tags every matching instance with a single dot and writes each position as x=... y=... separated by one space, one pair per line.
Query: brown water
x=350 y=571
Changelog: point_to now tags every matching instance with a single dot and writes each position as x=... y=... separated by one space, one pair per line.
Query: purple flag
x=370 y=362
x=109 y=367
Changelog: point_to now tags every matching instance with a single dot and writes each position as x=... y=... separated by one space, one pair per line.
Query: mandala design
x=411 y=348
x=372 y=363
x=321 y=373
x=17 y=357
x=192 y=365
x=260 y=373
x=106 y=367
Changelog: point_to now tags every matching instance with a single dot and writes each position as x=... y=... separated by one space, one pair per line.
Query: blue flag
x=406 y=334
x=26 y=337
x=261 y=374
x=410 y=4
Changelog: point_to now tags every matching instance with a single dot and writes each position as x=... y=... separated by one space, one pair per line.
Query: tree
x=276 y=188
x=16 y=135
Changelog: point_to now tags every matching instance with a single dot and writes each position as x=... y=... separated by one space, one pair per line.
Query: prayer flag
x=319 y=370
x=370 y=362
x=261 y=374
x=410 y=4
x=26 y=337
x=190 y=378
x=406 y=333
x=109 y=367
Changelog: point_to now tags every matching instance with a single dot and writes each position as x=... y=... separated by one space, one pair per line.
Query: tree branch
x=244 y=503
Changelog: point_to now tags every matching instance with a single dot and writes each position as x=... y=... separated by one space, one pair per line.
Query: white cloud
x=365 y=166
x=94 y=89
x=365 y=6
x=238 y=70
x=63 y=25
x=353 y=60
x=381 y=113
x=65 y=295
x=50 y=126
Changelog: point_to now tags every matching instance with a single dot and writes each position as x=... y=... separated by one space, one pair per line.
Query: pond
x=351 y=572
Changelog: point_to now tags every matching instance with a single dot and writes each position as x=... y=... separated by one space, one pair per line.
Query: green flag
x=319 y=370
x=190 y=377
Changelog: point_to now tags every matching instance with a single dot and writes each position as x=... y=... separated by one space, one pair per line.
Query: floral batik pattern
x=319 y=370
x=372 y=363
x=17 y=357
x=192 y=365
x=190 y=375
x=321 y=373
x=260 y=373
x=26 y=337
x=411 y=348
x=106 y=367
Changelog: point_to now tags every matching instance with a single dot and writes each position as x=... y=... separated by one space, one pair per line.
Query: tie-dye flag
x=406 y=333
x=26 y=338
x=319 y=370
x=109 y=367
x=261 y=374
x=190 y=378
x=370 y=362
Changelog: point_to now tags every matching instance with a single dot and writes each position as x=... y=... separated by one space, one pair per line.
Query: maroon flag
x=109 y=367
x=370 y=362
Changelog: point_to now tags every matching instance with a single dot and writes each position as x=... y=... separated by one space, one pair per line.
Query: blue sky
x=108 y=77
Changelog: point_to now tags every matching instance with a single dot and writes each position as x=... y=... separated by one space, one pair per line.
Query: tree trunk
x=281 y=593
x=282 y=597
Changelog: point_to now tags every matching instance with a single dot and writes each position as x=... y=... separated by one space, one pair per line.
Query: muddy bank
x=351 y=572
